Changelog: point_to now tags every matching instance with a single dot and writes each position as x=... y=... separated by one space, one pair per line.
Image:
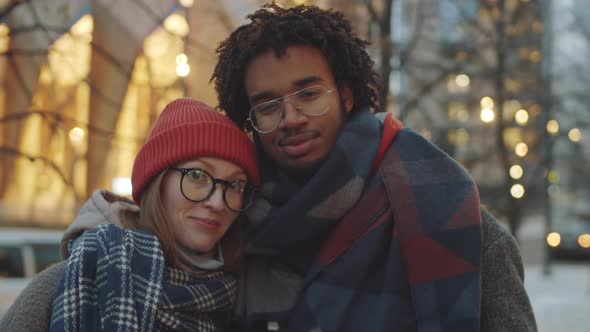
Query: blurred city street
x=560 y=299
x=500 y=86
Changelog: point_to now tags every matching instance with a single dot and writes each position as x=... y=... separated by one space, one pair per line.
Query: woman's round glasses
x=197 y=185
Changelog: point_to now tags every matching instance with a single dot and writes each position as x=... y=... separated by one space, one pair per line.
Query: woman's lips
x=206 y=223
x=297 y=145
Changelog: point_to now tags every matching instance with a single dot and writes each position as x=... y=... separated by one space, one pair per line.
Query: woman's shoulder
x=31 y=311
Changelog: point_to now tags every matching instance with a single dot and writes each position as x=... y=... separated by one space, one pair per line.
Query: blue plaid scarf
x=115 y=280
x=415 y=268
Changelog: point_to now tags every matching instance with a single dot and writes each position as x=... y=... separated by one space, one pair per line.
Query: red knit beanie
x=189 y=129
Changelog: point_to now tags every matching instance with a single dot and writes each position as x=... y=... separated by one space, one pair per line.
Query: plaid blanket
x=115 y=280
x=415 y=268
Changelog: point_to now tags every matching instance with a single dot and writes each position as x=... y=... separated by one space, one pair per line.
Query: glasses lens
x=312 y=100
x=239 y=195
x=266 y=116
x=196 y=185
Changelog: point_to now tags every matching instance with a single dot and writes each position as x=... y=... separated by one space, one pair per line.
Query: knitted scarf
x=384 y=280
x=290 y=221
x=308 y=212
x=115 y=280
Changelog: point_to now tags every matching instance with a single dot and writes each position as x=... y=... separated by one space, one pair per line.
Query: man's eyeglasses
x=312 y=101
x=197 y=185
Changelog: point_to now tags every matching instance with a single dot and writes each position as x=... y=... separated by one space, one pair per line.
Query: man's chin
x=301 y=168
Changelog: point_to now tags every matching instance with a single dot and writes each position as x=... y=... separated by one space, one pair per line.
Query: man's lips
x=297 y=145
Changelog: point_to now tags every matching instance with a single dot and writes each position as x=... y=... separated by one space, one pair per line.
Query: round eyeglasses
x=197 y=185
x=312 y=101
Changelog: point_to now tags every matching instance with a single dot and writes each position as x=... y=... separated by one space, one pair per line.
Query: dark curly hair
x=276 y=28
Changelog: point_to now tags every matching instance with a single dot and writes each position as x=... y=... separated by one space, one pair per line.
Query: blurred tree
x=466 y=74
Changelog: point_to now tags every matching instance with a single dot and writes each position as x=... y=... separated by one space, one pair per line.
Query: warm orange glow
x=517 y=191
x=487 y=102
x=553 y=239
x=187 y=3
x=521 y=149
x=552 y=127
x=462 y=80
x=516 y=172
x=183 y=69
x=487 y=115
x=521 y=116
x=181 y=58
x=584 y=241
x=575 y=135
x=176 y=24
x=77 y=135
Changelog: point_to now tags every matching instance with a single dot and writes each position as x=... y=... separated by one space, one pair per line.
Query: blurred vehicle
x=24 y=252
x=570 y=238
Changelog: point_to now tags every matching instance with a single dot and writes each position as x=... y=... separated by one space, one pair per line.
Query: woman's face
x=199 y=226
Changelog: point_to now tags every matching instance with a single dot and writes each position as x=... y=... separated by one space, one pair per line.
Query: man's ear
x=347 y=98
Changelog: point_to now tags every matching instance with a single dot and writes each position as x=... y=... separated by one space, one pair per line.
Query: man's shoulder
x=492 y=230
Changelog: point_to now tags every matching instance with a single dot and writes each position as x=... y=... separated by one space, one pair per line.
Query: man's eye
x=311 y=93
x=268 y=108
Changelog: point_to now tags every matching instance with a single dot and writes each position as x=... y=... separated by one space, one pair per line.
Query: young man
x=360 y=225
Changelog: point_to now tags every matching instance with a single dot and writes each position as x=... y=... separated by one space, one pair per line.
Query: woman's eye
x=198 y=176
x=237 y=186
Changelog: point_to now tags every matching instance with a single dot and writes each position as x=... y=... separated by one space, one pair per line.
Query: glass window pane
x=11 y=262
x=45 y=255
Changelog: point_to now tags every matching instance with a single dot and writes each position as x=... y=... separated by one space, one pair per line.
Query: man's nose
x=292 y=115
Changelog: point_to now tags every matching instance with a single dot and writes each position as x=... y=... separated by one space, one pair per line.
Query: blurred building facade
x=468 y=76
x=81 y=83
x=569 y=49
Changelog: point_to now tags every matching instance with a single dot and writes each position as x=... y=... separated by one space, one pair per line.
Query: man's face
x=300 y=142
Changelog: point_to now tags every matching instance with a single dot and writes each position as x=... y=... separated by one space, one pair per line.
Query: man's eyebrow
x=306 y=80
x=265 y=95
x=260 y=96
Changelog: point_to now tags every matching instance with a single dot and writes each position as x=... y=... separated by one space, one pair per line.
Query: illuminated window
x=512 y=136
x=177 y=25
x=521 y=149
x=458 y=83
x=535 y=56
x=487 y=115
x=458 y=111
x=459 y=137
x=487 y=102
x=552 y=127
x=516 y=172
x=575 y=135
x=517 y=191
x=521 y=117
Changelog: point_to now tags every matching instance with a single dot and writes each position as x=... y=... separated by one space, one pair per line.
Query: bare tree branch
x=160 y=20
x=58 y=117
x=48 y=162
x=416 y=35
x=10 y=7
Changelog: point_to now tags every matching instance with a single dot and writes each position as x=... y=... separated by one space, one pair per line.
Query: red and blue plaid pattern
x=403 y=256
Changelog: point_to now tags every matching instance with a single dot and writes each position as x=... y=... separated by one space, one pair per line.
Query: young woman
x=167 y=264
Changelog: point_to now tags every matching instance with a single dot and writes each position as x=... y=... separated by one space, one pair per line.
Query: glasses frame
x=216 y=181
x=282 y=112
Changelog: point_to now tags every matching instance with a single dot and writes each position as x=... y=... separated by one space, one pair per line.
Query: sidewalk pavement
x=560 y=300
